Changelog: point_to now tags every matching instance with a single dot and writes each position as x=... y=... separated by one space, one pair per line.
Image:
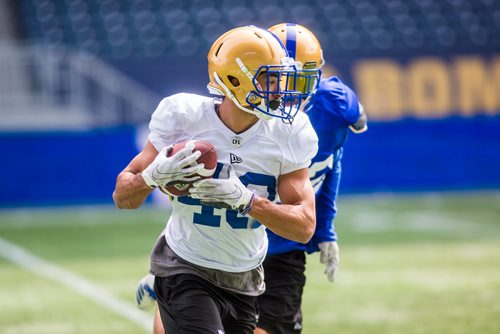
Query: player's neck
x=234 y=118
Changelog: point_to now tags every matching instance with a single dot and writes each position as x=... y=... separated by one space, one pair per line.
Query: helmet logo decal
x=310 y=65
x=252 y=97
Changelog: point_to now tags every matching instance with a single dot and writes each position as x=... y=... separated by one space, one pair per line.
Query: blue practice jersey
x=333 y=108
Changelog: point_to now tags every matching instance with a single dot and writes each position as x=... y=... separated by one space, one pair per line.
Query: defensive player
x=333 y=109
x=208 y=263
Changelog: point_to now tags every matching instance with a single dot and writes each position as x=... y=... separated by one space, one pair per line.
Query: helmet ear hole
x=233 y=80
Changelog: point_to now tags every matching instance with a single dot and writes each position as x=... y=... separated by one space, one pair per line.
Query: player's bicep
x=295 y=188
x=142 y=160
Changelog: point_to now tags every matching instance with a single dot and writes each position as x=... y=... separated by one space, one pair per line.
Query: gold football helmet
x=303 y=46
x=241 y=55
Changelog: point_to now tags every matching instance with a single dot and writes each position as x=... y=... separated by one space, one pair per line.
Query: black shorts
x=279 y=306
x=189 y=305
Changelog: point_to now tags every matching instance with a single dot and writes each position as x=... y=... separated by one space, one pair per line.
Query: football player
x=208 y=262
x=333 y=108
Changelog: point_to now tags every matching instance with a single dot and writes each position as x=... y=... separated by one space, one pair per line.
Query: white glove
x=224 y=193
x=361 y=124
x=145 y=296
x=329 y=256
x=178 y=168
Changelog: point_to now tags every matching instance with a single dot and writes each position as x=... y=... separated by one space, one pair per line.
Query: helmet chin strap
x=229 y=94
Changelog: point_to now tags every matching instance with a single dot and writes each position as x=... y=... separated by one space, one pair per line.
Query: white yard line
x=40 y=267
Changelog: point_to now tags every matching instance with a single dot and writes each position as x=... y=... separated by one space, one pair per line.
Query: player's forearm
x=294 y=222
x=130 y=191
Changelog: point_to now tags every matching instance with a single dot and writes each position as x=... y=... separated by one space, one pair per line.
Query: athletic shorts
x=190 y=304
x=279 y=306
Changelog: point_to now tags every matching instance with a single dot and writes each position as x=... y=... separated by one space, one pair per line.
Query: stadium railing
x=44 y=87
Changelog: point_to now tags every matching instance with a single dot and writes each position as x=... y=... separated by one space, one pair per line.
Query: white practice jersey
x=220 y=238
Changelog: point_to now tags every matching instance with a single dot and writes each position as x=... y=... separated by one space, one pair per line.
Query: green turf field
x=410 y=264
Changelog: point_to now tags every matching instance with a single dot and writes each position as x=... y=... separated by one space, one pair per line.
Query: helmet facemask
x=272 y=96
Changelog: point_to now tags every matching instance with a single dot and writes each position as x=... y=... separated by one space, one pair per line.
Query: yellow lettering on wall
x=478 y=85
x=428 y=86
x=378 y=85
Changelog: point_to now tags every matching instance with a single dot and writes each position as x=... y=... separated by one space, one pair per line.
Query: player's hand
x=178 y=168
x=145 y=296
x=329 y=256
x=224 y=193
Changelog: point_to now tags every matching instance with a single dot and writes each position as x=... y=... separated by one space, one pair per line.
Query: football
x=208 y=157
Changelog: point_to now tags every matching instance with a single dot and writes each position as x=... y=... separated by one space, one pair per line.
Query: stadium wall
x=63 y=168
x=409 y=155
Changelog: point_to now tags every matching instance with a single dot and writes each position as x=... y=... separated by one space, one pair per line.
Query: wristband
x=247 y=209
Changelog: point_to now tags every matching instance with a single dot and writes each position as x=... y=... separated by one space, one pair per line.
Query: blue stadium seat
x=154 y=28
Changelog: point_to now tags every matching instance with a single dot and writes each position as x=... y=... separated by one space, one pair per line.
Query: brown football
x=208 y=157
